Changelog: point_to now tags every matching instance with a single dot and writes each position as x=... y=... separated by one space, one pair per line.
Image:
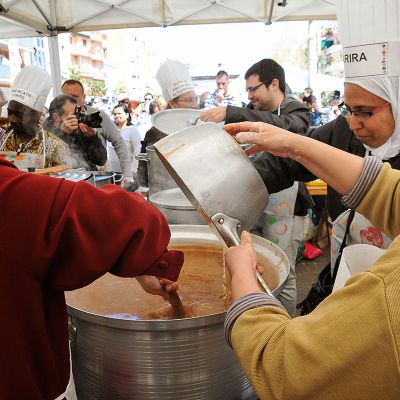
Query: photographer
x=87 y=150
x=107 y=132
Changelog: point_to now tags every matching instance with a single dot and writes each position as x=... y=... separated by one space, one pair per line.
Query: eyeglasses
x=190 y=100
x=252 y=89
x=360 y=114
x=148 y=99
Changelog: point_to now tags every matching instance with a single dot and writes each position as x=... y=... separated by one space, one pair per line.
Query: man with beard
x=24 y=141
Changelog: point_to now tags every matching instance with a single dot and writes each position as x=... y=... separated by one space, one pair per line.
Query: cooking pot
x=180 y=359
x=216 y=176
x=227 y=190
x=176 y=208
x=158 y=177
x=175 y=119
x=107 y=178
x=75 y=175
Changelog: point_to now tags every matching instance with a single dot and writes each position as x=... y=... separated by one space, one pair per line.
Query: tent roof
x=28 y=18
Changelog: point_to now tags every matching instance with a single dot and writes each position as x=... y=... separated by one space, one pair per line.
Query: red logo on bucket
x=371 y=236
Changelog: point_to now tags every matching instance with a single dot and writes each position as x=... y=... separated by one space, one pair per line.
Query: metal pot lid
x=173 y=120
x=171 y=198
x=74 y=175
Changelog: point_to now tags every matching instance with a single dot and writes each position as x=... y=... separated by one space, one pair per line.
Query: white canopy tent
x=29 y=18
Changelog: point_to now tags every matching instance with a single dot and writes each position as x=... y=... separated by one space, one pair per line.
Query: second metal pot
x=158 y=177
x=176 y=208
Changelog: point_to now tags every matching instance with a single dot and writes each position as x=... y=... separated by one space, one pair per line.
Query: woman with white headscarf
x=369 y=124
x=372 y=113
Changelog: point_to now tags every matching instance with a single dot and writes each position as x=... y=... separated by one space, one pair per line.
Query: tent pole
x=55 y=64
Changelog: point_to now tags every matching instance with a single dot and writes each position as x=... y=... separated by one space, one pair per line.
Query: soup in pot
x=203 y=288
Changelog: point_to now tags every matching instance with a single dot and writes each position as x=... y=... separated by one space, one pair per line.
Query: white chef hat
x=370 y=35
x=174 y=79
x=31 y=87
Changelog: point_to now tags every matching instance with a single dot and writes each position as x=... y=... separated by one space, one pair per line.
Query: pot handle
x=119 y=179
x=229 y=228
x=142 y=157
x=72 y=331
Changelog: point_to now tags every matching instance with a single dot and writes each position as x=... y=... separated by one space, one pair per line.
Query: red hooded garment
x=58 y=235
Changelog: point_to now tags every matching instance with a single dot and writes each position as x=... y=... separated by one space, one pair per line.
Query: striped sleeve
x=245 y=303
x=370 y=171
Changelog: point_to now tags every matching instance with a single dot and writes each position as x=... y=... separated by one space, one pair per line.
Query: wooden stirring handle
x=176 y=302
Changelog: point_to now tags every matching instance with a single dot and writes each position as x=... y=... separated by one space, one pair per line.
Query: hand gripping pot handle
x=230 y=228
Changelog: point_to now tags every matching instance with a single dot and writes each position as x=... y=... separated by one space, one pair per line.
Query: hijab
x=386 y=88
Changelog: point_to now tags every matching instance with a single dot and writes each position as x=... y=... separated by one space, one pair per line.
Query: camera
x=93 y=120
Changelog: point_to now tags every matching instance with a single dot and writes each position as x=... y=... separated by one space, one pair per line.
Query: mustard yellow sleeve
x=328 y=354
x=381 y=205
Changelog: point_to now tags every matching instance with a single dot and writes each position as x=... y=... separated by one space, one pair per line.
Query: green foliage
x=74 y=73
x=96 y=88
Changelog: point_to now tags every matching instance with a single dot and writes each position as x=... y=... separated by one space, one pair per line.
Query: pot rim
x=148 y=324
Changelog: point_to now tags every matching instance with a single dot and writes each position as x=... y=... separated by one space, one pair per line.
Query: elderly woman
x=348 y=347
x=178 y=91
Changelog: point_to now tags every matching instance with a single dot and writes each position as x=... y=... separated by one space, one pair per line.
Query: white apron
x=70 y=393
x=361 y=232
x=276 y=222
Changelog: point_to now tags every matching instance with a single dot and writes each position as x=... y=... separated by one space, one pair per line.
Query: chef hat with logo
x=370 y=35
x=174 y=79
x=31 y=87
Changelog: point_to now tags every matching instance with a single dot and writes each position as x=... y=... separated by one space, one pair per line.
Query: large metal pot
x=115 y=358
x=176 y=208
x=158 y=177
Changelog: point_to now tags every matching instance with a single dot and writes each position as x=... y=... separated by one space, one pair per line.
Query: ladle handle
x=229 y=228
x=176 y=303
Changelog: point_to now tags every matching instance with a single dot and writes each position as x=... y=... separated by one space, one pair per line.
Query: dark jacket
x=152 y=136
x=280 y=173
x=86 y=152
x=294 y=117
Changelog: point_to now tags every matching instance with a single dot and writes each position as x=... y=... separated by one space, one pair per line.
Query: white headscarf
x=31 y=87
x=386 y=88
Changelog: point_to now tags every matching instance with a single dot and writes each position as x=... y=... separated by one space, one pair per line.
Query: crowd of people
x=127 y=130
